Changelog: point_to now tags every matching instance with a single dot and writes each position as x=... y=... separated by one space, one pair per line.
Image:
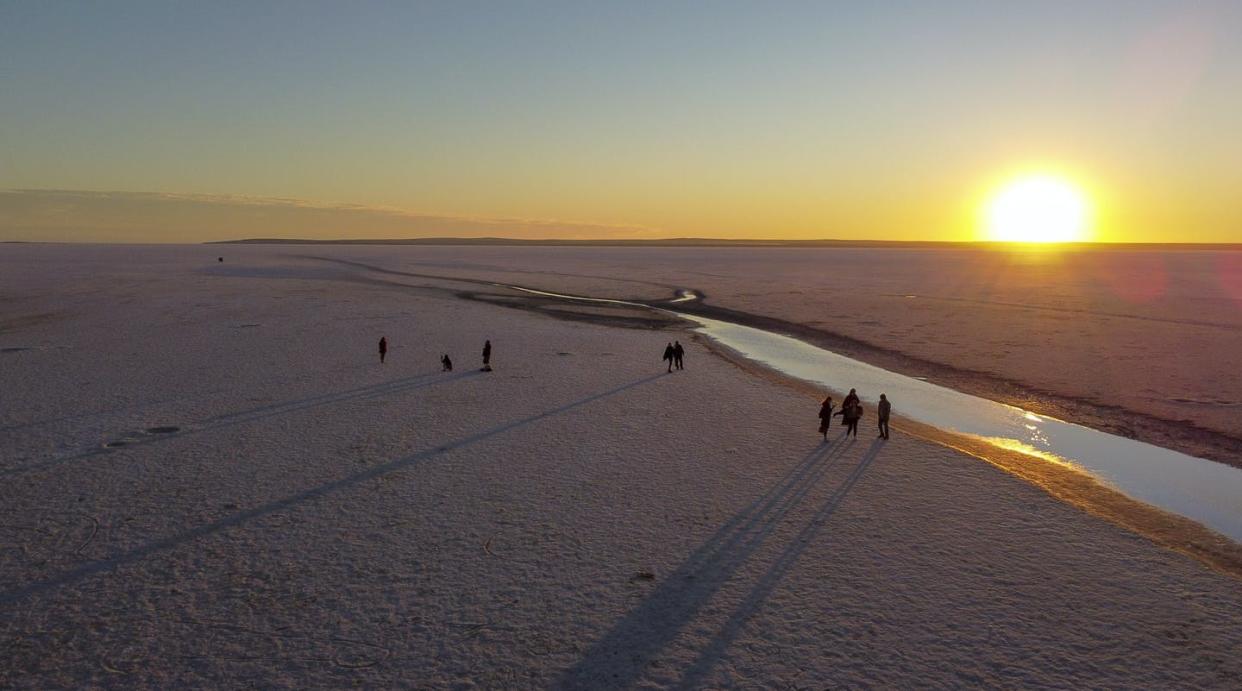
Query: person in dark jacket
x=850 y=399
x=850 y=414
x=825 y=417
x=678 y=354
x=883 y=410
x=487 y=356
x=383 y=348
x=668 y=356
x=446 y=364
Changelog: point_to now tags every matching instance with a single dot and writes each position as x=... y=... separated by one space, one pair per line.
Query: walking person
x=487 y=356
x=383 y=348
x=825 y=417
x=883 y=410
x=446 y=364
x=669 y=353
x=678 y=354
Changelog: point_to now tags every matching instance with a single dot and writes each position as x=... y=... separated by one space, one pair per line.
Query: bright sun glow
x=1037 y=208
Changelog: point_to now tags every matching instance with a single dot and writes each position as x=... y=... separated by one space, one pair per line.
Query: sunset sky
x=184 y=122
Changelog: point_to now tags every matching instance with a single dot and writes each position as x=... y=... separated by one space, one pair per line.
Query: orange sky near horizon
x=800 y=120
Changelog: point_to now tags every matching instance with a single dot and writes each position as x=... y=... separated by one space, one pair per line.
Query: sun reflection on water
x=1022 y=447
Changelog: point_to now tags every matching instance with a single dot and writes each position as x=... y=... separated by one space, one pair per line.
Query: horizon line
x=686 y=242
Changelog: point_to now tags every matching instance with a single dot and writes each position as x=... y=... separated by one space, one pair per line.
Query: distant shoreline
x=715 y=242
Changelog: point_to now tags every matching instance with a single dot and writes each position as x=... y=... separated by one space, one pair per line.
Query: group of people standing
x=446 y=363
x=673 y=353
x=851 y=408
x=851 y=412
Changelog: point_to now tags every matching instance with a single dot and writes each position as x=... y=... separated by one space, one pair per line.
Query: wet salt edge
x=1203 y=490
x=1199 y=489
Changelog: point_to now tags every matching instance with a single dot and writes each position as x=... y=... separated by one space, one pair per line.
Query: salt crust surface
x=1152 y=332
x=320 y=520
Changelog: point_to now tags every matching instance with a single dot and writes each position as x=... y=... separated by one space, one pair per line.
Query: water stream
x=1203 y=490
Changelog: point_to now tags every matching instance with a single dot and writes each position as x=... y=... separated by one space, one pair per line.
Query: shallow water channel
x=1203 y=490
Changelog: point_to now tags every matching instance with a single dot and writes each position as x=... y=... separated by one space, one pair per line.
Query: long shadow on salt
x=754 y=600
x=79 y=416
x=253 y=414
x=620 y=657
x=138 y=554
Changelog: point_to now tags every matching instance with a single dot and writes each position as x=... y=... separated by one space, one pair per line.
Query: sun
x=1037 y=208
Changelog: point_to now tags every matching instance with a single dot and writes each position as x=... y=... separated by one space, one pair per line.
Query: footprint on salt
x=352 y=654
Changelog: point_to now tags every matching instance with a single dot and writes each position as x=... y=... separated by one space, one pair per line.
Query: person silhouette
x=487 y=356
x=850 y=399
x=825 y=417
x=856 y=413
x=383 y=348
x=446 y=363
x=850 y=414
x=883 y=410
x=678 y=354
x=668 y=356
